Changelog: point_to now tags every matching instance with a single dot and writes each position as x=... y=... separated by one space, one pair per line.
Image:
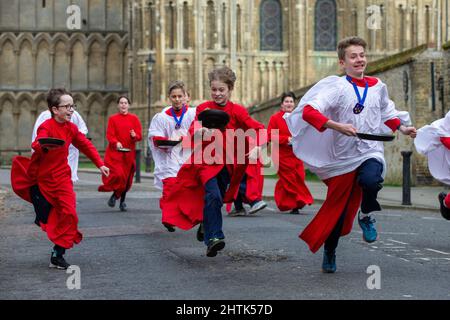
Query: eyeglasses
x=68 y=106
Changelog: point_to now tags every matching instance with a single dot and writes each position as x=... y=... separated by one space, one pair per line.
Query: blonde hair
x=347 y=42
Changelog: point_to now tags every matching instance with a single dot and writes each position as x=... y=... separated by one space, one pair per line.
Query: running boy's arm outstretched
x=84 y=145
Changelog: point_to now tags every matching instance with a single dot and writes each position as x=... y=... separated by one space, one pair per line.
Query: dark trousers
x=239 y=202
x=370 y=180
x=212 y=212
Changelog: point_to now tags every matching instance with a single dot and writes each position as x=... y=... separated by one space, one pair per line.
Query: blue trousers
x=370 y=180
x=212 y=212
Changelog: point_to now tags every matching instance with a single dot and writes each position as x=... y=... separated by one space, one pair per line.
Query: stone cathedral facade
x=273 y=45
x=39 y=51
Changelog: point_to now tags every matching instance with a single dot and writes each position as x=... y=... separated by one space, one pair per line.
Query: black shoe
x=200 y=233
x=329 y=262
x=112 y=201
x=294 y=211
x=169 y=227
x=123 y=206
x=445 y=212
x=58 y=262
x=214 y=245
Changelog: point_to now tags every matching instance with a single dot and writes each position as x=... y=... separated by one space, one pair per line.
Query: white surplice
x=330 y=153
x=429 y=144
x=168 y=160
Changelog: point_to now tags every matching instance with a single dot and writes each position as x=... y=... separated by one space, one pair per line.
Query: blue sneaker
x=367 y=225
x=329 y=261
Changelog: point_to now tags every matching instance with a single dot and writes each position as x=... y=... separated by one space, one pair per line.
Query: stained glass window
x=325 y=27
x=271 y=25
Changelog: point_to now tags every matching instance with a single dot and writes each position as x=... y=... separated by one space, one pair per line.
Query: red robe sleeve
x=314 y=118
x=248 y=122
x=274 y=125
x=111 y=135
x=84 y=145
x=137 y=130
x=393 y=124
x=446 y=142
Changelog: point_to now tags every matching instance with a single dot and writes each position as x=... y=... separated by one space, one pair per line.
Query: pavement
x=130 y=256
x=390 y=197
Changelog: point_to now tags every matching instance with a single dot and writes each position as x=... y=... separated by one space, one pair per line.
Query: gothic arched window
x=271 y=25
x=210 y=25
x=325 y=28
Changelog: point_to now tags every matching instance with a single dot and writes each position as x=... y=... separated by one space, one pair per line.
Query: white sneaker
x=237 y=213
x=257 y=207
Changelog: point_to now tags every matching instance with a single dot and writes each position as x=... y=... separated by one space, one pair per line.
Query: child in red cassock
x=205 y=183
x=291 y=192
x=124 y=130
x=45 y=179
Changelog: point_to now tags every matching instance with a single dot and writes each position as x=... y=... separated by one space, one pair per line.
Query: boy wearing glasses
x=45 y=179
x=353 y=169
x=73 y=152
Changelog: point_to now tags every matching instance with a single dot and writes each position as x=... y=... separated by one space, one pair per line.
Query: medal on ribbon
x=178 y=120
x=359 y=107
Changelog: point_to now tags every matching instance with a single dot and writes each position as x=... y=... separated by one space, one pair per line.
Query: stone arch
x=26 y=64
x=43 y=37
x=94 y=119
x=210 y=25
x=79 y=65
x=8 y=63
x=44 y=70
x=25 y=121
x=96 y=65
x=7 y=97
x=9 y=36
x=208 y=65
x=25 y=37
x=40 y=104
x=61 y=68
x=82 y=105
x=63 y=38
x=122 y=42
x=7 y=123
x=114 y=63
x=95 y=37
x=78 y=37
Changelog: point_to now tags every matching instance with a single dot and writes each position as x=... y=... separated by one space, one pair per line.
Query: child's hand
x=104 y=170
x=132 y=133
x=408 y=131
x=119 y=146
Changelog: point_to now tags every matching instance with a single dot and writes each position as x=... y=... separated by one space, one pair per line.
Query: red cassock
x=184 y=204
x=291 y=191
x=51 y=172
x=255 y=182
x=122 y=165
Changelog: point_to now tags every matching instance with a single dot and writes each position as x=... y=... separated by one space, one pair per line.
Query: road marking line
x=392 y=247
x=404 y=259
x=431 y=218
x=424 y=259
x=437 y=251
x=388 y=215
x=270 y=209
x=397 y=241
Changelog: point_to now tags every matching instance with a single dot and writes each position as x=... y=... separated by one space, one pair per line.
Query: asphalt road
x=130 y=255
